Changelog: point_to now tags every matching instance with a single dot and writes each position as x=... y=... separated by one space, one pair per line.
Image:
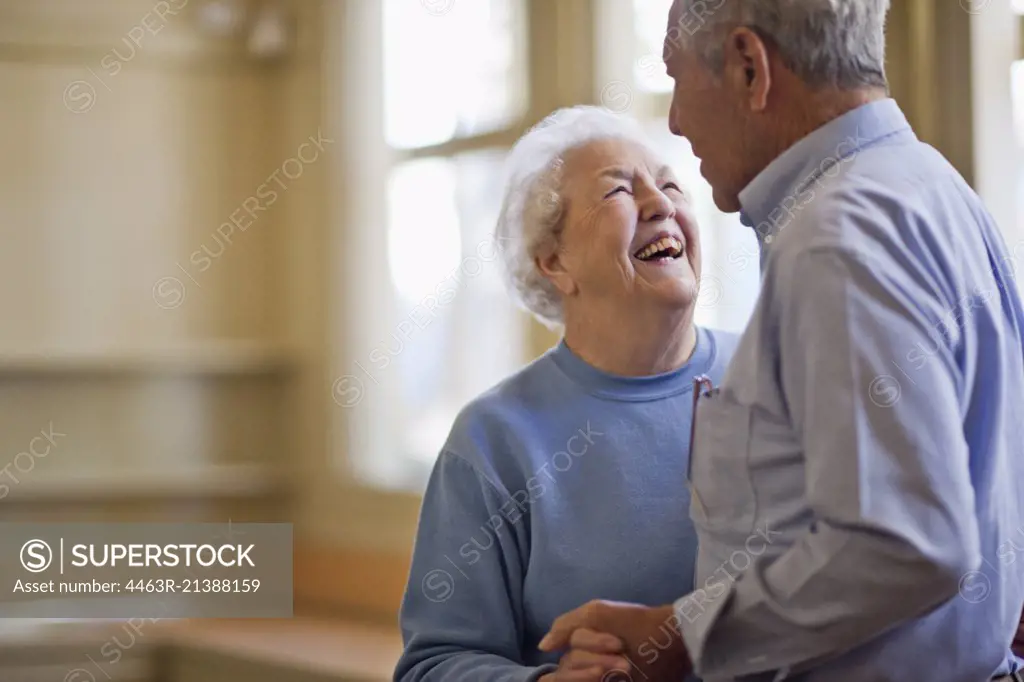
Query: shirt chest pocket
x=721 y=491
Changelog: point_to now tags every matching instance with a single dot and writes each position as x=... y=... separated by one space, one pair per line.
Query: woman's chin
x=678 y=293
x=669 y=283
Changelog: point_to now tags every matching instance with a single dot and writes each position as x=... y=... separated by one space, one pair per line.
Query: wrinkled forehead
x=597 y=158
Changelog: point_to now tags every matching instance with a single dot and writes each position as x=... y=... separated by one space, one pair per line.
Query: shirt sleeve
x=462 y=612
x=870 y=380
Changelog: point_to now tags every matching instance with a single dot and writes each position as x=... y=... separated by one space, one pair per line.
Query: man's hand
x=650 y=636
x=594 y=657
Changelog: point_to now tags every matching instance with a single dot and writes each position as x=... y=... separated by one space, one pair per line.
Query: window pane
x=1017 y=102
x=731 y=270
x=1017 y=96
x=493 y=333
x=650 y=18
x=451 y=69
x=423 y=250
x=458 y=333
x=423 y=233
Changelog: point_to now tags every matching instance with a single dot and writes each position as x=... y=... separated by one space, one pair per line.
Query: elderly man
x=857 y=478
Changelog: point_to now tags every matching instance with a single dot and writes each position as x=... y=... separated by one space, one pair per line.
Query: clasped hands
x=608 y=641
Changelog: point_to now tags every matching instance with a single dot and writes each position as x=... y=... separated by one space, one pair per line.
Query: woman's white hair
x=828 y=43
x=533 y=208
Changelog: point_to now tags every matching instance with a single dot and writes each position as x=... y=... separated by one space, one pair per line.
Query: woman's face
x=629 y=237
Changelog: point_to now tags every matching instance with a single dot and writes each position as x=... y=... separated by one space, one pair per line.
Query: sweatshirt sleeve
x=462 y=613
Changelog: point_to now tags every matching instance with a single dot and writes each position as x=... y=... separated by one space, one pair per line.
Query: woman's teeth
x=667 y=247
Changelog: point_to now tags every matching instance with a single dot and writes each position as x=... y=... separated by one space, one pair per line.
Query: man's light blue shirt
x=858 y=478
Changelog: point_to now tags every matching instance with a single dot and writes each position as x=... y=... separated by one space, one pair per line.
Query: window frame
x=564 y=67
x=390 y=474
x=559 y=71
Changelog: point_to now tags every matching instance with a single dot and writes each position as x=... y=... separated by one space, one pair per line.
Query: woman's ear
x=552 y=265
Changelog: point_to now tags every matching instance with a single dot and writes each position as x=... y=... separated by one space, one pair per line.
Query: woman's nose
x=656 y=207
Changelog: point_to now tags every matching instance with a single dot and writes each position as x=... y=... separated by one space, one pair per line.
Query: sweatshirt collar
x=637 y=389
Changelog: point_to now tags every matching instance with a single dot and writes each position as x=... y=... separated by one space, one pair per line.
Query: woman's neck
x=644 y=344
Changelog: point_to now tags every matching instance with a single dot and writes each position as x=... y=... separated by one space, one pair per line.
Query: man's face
x=708 y=112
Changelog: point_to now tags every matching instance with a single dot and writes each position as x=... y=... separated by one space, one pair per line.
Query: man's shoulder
x=915 y=205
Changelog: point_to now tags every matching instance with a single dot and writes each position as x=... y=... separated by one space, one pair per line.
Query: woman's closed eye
x=620 y=188
x=687 y=197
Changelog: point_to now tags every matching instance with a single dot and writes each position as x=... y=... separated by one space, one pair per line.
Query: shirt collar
x=834 y=144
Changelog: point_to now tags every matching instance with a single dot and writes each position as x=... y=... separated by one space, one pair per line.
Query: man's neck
x=811 y=110
x=799 y=113
x=646 y=343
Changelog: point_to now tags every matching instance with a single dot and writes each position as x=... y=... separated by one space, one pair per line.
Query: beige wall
x=202 y=393
x=129 y=139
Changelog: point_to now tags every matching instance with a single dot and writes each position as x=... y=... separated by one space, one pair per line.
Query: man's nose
x=672 y=127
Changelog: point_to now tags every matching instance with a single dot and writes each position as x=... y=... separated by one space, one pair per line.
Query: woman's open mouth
x=660 y=250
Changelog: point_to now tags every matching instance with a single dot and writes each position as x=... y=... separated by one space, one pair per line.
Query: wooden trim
x=213 y=358
x=204 y=482
x=923 y=87
x=156 y=34
x=503 y=139
x=360 y=583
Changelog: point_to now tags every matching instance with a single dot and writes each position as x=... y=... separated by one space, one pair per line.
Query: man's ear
x=747 y=66
x=551 y=264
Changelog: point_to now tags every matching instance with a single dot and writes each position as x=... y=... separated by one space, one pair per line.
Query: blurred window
x=454 y=95
x=451 y=69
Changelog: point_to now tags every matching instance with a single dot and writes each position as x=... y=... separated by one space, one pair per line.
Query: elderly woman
x=566 y=482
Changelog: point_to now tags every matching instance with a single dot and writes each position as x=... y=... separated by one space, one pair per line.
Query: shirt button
x=768 y=239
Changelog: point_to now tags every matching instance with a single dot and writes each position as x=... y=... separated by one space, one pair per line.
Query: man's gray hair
x=827 y=43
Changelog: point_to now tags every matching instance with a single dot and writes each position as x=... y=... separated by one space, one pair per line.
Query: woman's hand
x=593 y=657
